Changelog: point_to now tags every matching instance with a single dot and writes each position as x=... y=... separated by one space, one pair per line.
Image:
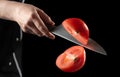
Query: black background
x=40 y=53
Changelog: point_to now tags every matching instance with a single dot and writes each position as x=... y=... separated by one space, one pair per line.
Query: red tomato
x=72 y=59
x=77 y=28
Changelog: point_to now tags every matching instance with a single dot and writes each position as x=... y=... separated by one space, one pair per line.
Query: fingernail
x=51 y=36
x=52 y=23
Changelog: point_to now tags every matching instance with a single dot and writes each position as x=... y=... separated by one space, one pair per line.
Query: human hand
x=33 y=20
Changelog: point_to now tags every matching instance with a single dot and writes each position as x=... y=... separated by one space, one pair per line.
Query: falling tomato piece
x=77 y=28
x=72 y=59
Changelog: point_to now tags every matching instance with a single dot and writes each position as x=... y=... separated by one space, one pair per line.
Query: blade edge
x=92 y=45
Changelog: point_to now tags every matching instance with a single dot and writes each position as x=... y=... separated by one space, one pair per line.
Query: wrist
x=8 y=10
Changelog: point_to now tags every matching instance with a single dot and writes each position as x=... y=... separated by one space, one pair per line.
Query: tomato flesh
x=77 y=28
x=72 y=59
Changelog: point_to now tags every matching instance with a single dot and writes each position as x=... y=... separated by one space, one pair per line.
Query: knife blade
x=92 y=45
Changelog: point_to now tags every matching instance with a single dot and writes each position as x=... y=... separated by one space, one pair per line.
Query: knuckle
x=32 y=15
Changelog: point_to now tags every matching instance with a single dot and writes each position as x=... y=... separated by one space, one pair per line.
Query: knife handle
x=50 y=28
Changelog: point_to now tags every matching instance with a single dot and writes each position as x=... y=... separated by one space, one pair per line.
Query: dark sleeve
x=20 y=0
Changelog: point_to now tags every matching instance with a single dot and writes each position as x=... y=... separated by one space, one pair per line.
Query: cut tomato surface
x=77 y=28
x=72 y=59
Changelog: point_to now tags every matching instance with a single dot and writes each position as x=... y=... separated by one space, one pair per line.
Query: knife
x=91 y=45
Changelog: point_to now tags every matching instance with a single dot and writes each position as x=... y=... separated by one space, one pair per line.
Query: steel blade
x=92 y=45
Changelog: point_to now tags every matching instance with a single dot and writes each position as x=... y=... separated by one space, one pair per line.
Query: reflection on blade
x=92 y=45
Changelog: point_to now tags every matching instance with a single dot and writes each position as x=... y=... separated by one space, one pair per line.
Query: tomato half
x=77 y=28
x=72 y=59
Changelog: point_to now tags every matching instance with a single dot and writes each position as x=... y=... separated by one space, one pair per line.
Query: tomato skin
x=72 y=59
x=77 y=28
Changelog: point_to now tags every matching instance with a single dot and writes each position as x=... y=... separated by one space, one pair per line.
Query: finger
x=34 y=29
x=42 y=28
x=45 y=17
